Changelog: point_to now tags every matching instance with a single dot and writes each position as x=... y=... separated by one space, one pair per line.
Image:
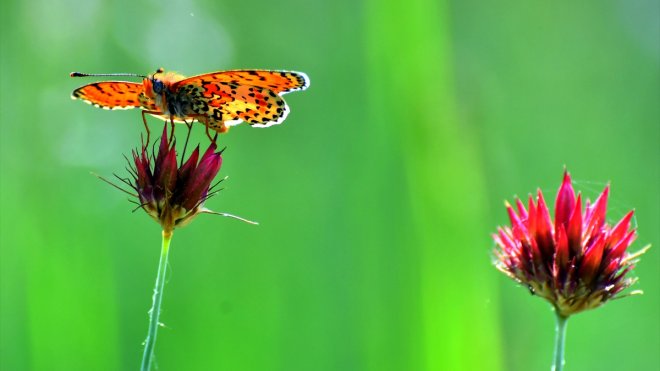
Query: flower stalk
x=560 y=341
x=172 y=193
x=154 y=312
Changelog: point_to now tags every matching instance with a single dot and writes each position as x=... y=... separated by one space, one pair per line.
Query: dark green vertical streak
x=410 y=52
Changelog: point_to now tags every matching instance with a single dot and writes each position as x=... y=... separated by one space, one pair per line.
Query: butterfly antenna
x=80 y=74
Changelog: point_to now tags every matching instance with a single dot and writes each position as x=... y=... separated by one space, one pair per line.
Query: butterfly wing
x=279 y=82
x=228 y=98
x=226 y=104
x=111 y=94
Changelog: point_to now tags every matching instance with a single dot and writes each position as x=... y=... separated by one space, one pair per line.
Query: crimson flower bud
x=576 y=263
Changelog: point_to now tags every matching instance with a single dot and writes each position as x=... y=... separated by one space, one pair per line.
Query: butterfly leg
x=207 y=132
x=221 y=129
x=185 y=145
x=204 y=119
x=171 y=128
x=146 y=127
x=144 y=120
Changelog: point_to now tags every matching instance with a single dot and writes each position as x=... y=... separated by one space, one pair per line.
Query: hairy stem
x=157 y=300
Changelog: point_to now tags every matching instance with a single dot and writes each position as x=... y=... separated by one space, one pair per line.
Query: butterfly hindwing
x=232 y=103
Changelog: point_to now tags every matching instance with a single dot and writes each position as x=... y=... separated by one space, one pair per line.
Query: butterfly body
x=219 y=99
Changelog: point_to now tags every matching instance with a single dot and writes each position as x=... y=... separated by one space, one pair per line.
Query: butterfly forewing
x=279 y=82
x=110 y=94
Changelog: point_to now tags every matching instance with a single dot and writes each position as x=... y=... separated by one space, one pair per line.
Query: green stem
x=157 y=300
x=560 y=340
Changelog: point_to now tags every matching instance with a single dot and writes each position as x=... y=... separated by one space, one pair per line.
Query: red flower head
x=576 y=263
x=170 y=194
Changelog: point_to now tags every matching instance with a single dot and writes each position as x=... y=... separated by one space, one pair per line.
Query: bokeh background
x=376 y=197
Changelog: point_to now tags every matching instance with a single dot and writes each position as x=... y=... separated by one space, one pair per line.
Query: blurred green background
x=376 y=197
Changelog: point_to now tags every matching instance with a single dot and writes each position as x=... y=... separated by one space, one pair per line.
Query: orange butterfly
x=217 y=99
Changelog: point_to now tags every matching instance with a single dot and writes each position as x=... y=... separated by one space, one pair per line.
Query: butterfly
x=219 y=100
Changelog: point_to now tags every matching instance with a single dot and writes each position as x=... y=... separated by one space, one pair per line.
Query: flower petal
x=575 y=229
x=620 y=229
x=190 y=165
x=596 y=217
x=197 y=185
x=591 y=261
x=163 y=150
x=531 y=222
x=561 y=256
x=565 y=203
x=521 y=209
x=143 y=176
x=620 y=248
x=560 y=266
x=543 y=235
x=165 y=176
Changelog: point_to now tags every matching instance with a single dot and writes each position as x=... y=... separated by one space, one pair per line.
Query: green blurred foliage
x=376 y=197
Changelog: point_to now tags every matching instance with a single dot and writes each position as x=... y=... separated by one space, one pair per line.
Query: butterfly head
x=154 y=85
x=158 y=83
x=157 y=86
